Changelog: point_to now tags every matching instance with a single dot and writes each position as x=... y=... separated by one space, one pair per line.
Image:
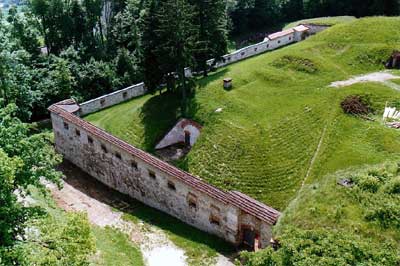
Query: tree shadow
x=213 y=76
x=136 y=210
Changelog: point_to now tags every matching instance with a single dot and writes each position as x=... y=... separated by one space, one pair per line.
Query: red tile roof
x=237 y=199
x=254 y=207
x=280 y=34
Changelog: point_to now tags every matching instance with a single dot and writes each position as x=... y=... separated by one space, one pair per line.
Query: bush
x=368 y=183
x=356 y=105
x=393 y=186
x=323 y=248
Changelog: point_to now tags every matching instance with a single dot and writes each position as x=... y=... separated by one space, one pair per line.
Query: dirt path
x=383 y=77
x=75 y=195
x=106 y=207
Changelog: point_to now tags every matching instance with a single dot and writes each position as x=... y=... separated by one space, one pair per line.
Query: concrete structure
x=185 y=131
x=232 y=216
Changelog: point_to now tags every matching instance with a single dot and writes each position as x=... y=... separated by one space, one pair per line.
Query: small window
x=229 y=59
x=66 y=126
x=134 y=165
x=77 y=132
x=242 y=53
x=215 y=220
x=152 y=174
x=192 y=201
x=118 y=155
x=90 y=139
x=279 y=41
x=255 y=49
x=290 y=38
x=124 y=94
x=267 y=45
x=171 y=185
x=104 y=148
x=103 y=102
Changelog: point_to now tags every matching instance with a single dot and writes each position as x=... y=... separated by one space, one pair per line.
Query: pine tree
x=212 y=39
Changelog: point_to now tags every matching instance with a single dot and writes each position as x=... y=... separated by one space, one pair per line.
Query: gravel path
x=381 y=77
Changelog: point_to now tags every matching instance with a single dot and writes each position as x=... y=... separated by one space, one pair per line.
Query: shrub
x=368 y=183
x=392 y=186
x=385 y=212
x=356 y=105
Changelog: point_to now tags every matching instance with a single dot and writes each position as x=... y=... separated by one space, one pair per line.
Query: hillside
x=331 y=21
x=277 y=115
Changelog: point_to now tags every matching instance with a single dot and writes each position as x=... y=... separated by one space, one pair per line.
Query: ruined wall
x=177 y=133
x=111 y=99
x=315 y=28
x=154 y=182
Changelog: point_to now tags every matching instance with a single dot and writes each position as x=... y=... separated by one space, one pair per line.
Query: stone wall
x=177 y=133
x=144 y=177
x=111 y=99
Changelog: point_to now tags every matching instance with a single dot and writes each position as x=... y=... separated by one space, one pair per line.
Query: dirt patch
x=380 y=77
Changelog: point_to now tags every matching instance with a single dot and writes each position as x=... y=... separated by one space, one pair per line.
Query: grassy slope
x=264 y=139
x=326 y=205
x=322 y=21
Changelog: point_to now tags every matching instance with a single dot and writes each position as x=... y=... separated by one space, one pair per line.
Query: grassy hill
x=277 y=115
x=331 y=21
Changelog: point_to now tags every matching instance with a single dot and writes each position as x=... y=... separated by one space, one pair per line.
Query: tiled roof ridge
x=246 y=203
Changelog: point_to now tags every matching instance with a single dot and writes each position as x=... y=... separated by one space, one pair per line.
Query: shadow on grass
x=160 y=114
x=181 y=234
x=213 y=76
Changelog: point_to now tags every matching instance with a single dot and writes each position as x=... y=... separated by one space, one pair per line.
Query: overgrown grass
x=331 y=21
x=364 y=210
x=115 y=248
x=263 y=141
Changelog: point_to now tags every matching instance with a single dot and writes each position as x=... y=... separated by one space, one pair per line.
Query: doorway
x=187 y=138
x=250 y=238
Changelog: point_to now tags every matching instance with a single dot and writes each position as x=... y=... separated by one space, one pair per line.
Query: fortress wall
x=156 y=183
x=111 y=99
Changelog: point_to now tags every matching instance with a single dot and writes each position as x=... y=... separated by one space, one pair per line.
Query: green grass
x=115 y=248
x=263 y=141
x=331 y=21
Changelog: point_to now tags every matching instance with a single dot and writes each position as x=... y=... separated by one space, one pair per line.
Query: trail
x=383 y=77
x=321 y=140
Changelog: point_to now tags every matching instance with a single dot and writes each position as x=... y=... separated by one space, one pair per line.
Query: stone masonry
x=119 y=165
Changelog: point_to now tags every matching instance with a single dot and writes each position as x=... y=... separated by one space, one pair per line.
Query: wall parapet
x=227 y=212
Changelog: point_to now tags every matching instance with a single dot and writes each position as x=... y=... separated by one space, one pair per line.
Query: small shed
x=227 y=83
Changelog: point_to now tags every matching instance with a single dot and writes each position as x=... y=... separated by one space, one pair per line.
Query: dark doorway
x=249 y=238
x=187 y=138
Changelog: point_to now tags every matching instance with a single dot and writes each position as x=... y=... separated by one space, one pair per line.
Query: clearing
x=264 y=140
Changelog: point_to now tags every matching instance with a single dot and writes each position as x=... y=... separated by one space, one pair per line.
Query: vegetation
x=360 y=218
x=263 y=141
x=355 y=105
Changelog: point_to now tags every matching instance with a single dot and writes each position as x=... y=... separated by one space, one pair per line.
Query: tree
x=212 y=33
x=176 y=36
x=24 y=159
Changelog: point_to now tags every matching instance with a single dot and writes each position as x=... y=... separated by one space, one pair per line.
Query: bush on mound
x=356 y=105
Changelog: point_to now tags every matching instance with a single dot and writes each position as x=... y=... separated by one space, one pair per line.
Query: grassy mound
x=331 y=21
x=265 y=140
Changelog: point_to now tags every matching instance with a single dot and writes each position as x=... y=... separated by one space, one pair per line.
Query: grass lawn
x=331 y=21
x=115 y=248
x=263 y=141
